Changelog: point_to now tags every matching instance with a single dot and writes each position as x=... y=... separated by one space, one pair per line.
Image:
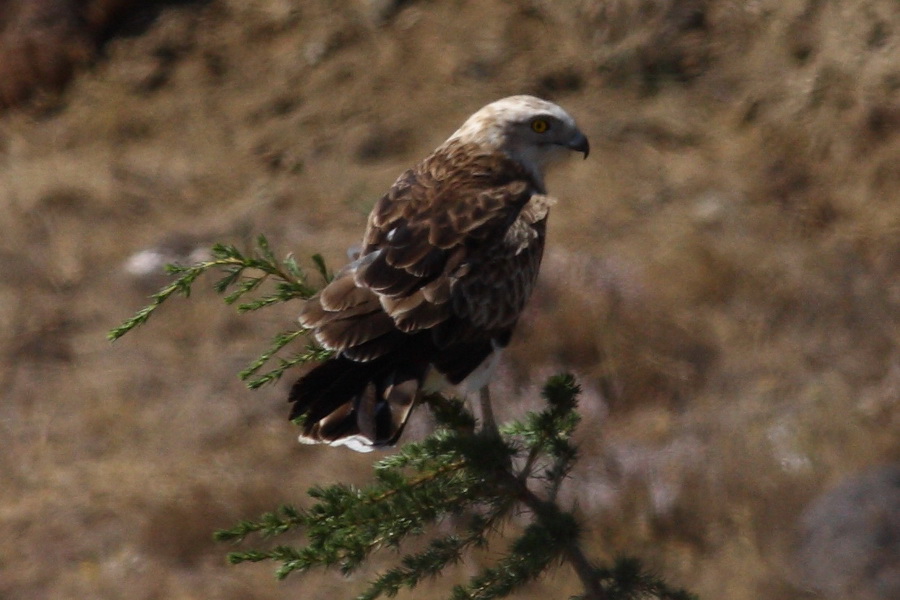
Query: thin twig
x=583 y=568
x=488 y=423
x=586 y=572
x=457 y=465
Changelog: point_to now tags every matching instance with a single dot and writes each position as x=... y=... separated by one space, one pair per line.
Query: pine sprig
x=627 y=579
x=455 y=472
x=530 y=555
x=481 y=478
x=547 y=434
x=314 y=353
x=182 y=285
x=441 y=553
x=243 y=275
x=347 y=523
x=270 y=524
x=228 y=259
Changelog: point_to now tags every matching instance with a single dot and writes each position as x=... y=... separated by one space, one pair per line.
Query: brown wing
x=448 y=249
x=448 y=260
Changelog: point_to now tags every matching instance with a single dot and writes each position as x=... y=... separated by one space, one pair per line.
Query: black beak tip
x=581 y=144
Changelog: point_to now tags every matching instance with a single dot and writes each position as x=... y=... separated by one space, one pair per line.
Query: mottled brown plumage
x=449 y=258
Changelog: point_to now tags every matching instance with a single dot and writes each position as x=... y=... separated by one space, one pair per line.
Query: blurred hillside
x=723 y=273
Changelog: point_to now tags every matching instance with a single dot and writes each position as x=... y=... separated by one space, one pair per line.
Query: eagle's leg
x=488 y=424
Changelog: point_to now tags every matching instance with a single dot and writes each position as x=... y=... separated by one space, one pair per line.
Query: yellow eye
x=540 y=125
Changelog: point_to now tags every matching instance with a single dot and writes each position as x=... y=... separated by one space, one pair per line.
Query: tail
x=356 y=404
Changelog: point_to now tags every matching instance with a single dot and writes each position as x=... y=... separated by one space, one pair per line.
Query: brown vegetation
x=723 y=272
x=43 y=42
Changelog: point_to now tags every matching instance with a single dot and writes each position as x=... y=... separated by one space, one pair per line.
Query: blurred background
x=723 y=274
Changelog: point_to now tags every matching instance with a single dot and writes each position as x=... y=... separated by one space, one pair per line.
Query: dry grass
x=722 y=272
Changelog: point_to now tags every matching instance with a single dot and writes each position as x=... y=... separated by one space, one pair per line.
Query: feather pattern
x=448 y=260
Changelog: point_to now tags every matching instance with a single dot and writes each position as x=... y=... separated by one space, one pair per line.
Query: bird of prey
x=448 y=260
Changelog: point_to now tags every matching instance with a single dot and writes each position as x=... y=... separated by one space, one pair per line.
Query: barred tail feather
x=361 y=405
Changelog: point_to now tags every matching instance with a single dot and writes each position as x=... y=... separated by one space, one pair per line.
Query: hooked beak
x=579 y=142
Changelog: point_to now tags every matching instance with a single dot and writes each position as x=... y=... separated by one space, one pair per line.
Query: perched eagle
x=449 y=258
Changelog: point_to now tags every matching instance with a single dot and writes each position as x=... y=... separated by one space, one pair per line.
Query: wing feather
x=343 y=294
x=423 y=316
x=440 y=253
x=340 y=334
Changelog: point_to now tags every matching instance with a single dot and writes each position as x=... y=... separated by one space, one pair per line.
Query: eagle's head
x=528 y=130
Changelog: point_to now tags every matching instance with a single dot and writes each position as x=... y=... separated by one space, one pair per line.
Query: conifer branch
x=242 y=275
x=452 y=472
x=456 y=472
